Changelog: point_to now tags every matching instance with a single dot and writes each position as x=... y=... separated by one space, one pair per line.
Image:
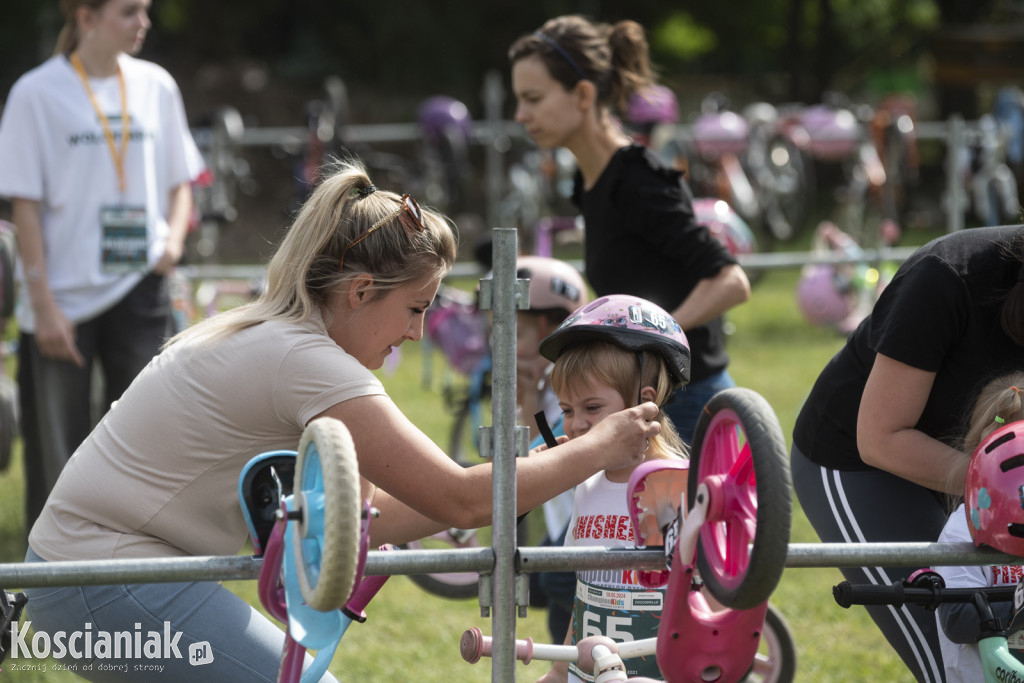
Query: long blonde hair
x=999 y=403
x=307 y=266
x=68 y=38
x=605 y=363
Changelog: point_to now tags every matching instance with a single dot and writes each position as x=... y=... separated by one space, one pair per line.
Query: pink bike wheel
x=742 y=552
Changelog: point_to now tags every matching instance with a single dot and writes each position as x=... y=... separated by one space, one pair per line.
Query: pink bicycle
x=731 y=541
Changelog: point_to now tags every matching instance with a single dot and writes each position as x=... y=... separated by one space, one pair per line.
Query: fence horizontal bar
x=107 y=572
x=531 y=559
x=765 y=260
x=894 y=555
x=566 y=559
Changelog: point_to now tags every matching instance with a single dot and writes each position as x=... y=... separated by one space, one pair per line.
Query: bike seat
x=656 y=491
x=264 y=481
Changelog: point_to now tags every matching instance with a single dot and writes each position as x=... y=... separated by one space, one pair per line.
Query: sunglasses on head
x=408 y=215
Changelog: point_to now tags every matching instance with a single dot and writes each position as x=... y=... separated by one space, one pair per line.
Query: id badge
x=125 y=248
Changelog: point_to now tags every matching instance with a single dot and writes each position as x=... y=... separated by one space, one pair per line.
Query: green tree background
x=392 y=53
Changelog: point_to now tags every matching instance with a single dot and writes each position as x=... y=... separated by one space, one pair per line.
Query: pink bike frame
x=327 y=632
x=696 y=642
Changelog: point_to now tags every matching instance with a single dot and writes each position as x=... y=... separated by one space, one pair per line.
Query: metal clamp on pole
x=486 y=594
x=522 y=293
x=522 y=593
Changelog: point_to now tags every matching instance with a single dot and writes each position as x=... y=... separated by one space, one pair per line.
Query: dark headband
x=562 y=51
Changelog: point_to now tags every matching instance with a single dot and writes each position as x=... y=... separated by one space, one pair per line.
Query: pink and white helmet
x=627 y=321
x=820 y=297
x=652 y=104
x=994 y=490
x=554 y=284
x=725 y=225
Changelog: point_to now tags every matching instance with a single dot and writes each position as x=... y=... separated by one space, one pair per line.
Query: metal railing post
x=503 y=403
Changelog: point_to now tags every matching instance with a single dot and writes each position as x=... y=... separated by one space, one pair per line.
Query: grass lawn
x=414 y=636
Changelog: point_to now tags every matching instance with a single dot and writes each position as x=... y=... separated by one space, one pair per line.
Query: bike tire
x=456 y=585
x=741 y=557
x=8 y=420
x=776 y=657
x=793 y=183
x=461 y=442
x=328 y=533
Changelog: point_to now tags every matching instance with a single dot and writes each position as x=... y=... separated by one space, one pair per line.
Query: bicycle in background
x=874 y=151
x=748 y=160
x=983 y=163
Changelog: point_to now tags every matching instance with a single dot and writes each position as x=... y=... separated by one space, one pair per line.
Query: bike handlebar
x=474 y=645
x=898 y=594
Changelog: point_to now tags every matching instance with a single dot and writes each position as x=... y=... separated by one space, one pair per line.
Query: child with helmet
x=613 y=353
x=556 y=290
x=992 y=515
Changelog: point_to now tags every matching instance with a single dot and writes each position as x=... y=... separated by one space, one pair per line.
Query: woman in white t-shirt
x=349 y=283
x=98 y=160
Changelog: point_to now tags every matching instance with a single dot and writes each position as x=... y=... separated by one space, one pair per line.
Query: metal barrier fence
x=526 y=559
x=765 y=261
x=502 y=565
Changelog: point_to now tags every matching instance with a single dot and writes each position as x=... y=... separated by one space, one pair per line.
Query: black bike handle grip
x=847 y=594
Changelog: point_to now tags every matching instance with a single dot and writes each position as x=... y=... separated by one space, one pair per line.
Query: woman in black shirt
x=641 y=235
x=872 y=456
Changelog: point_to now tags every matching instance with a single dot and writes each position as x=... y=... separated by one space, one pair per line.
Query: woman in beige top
x=158 y=477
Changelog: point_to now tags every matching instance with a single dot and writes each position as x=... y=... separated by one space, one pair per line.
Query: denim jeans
x=685 y=407
x=244 y=645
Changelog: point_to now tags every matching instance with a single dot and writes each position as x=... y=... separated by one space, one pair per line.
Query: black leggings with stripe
x=878 y=507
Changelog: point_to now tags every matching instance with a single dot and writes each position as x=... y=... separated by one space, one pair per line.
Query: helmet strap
x=640 y=389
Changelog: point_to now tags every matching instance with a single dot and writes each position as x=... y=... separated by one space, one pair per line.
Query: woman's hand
x=55 y=336
x=621 y=438
x=173 y=252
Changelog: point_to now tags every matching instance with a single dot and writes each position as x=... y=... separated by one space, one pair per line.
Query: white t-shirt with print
x=610 y=602
x=54 y=151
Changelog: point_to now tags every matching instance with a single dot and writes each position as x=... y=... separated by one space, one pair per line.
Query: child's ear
x=648 y=393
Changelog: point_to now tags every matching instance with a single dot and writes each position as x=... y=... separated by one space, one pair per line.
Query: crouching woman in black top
x=871 y=456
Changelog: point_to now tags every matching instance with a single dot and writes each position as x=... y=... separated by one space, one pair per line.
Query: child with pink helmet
x=991 y=515
x=610 y=354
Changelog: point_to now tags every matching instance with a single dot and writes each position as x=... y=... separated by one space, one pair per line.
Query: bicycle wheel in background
x=458 y=585
x=785 y=183
x=741 y=554
x=470 y=411
x=775 y=661
x=328 y=533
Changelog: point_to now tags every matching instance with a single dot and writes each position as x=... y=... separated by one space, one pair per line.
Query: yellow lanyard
x=115 y=153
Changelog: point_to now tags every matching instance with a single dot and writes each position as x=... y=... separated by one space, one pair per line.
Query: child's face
x=588 y=405
x=528 y=335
